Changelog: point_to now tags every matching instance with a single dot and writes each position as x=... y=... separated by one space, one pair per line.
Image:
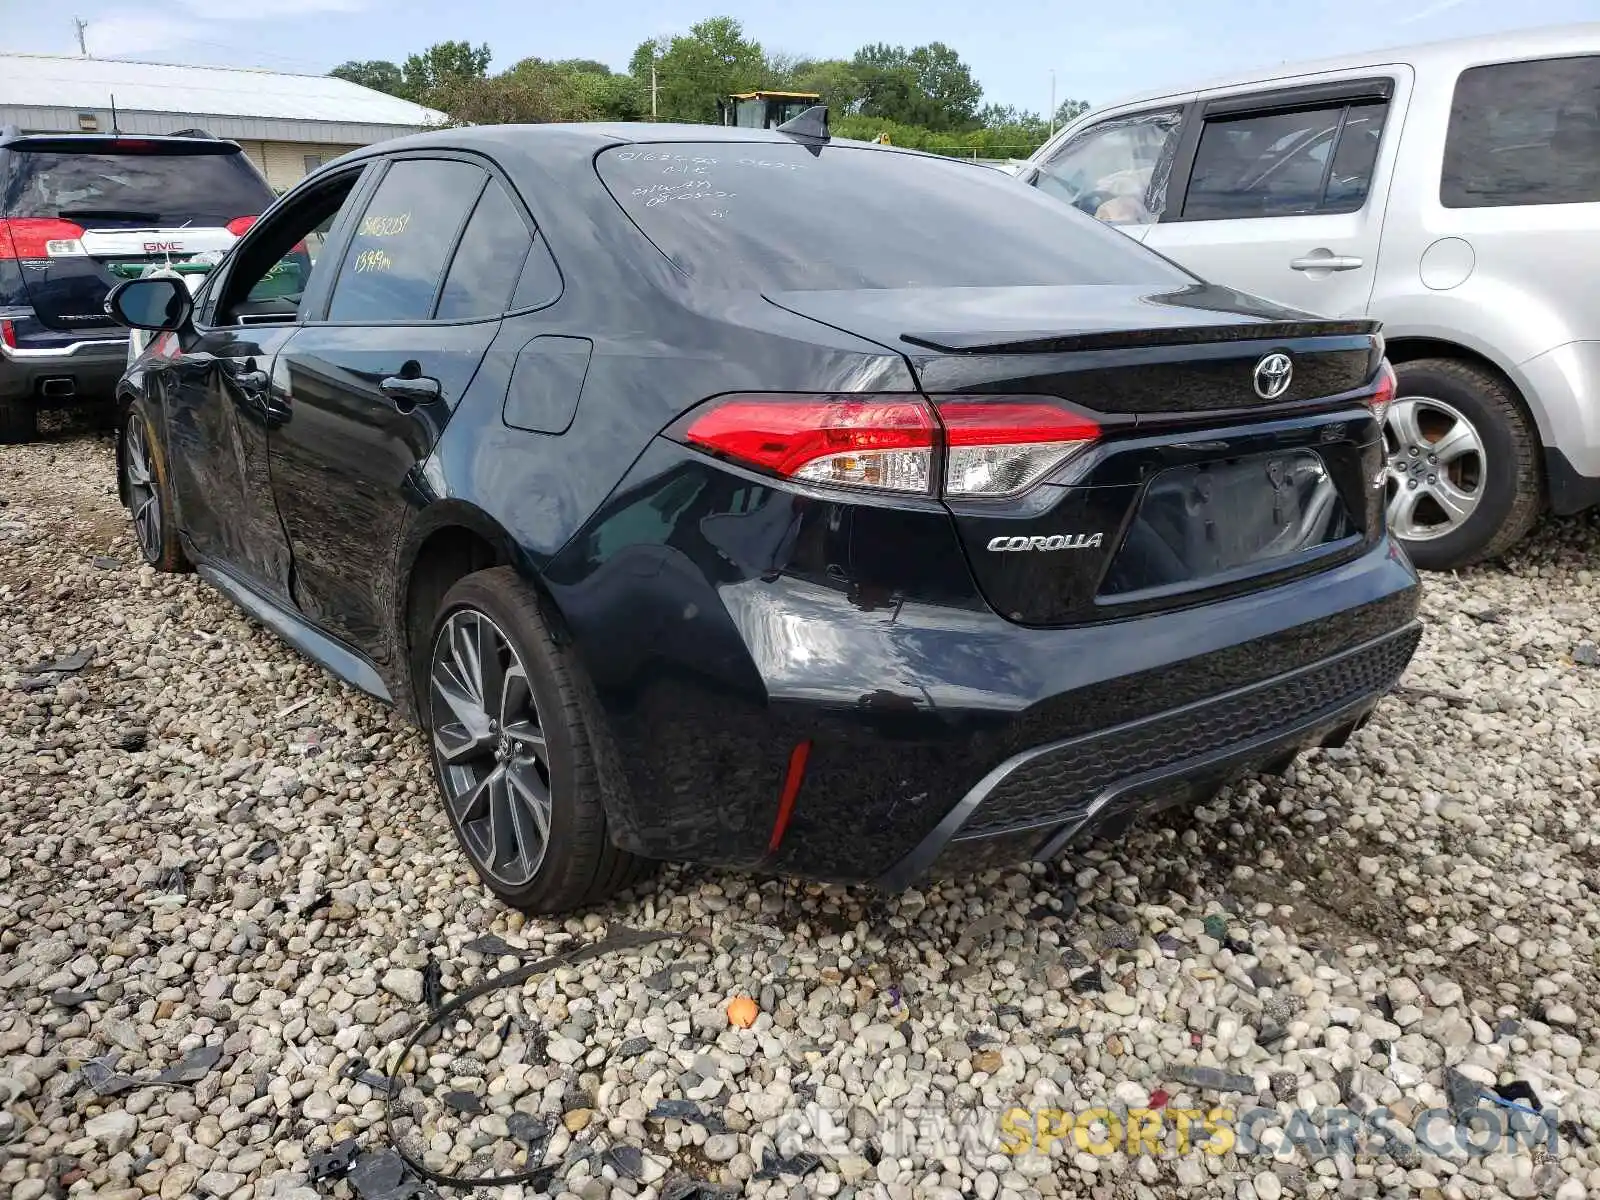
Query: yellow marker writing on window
x=375 y=225
x=373 y=260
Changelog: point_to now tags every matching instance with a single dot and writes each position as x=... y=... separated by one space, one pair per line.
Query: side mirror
x=158 y=304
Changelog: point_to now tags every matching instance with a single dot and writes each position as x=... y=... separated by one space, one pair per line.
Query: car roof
x=557 y=143
x=1550 y=40
x=597 y=133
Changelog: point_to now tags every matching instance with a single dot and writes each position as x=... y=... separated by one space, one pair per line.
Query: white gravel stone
x=113 y=1130
x=405 y=983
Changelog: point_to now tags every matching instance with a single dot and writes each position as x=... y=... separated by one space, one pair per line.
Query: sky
x=1098 y=53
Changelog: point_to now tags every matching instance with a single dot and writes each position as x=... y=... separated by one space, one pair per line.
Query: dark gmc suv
x=74 y=208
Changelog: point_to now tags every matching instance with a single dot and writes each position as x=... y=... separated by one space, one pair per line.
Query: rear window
x=781 y=217
x=1524 y=133
x=133 y=189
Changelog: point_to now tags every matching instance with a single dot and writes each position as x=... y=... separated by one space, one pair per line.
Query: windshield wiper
x=131 y=214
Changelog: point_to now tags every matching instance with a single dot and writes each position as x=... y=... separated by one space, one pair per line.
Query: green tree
x=378 y=74
x=927 y=85
x=1069 y=111
x=444 y=62
x=694 y=70
x=834 y=79
x=536 y=90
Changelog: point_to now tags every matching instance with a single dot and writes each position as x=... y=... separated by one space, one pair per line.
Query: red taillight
x=39 y=237
x=1383 y=394
x=239 y=225
x=8 y=331
x=994 y=446
x=883 y=441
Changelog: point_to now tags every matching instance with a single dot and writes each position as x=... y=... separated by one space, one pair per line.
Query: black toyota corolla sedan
x=758 y=499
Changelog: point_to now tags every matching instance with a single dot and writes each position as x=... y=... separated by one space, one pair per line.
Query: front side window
x=392 y=267
x=270 y=271
x=1116 y=171
x=1306 y=160
x=776 y=216
x=1524 y=133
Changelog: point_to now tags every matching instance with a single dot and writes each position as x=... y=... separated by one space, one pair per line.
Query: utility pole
x=652 y=89
x=82 y=27
x=1052 y=104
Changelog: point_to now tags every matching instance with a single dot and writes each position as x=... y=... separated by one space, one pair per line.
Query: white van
x=1453 y=192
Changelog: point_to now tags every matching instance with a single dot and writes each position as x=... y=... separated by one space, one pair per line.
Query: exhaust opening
x=58 y=387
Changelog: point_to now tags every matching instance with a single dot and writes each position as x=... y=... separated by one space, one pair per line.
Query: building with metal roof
x=287 y=124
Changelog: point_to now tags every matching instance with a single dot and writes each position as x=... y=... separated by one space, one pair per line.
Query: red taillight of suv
x=240 y=225
x=989 y=445
x=39 y=237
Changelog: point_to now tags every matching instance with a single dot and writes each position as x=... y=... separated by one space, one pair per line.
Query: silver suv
x=1450 y=190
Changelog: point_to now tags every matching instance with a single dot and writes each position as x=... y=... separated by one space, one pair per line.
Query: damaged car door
x=221 y=398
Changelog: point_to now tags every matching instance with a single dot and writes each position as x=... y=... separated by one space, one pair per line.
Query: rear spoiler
x=1069 y=341
x=90 y=143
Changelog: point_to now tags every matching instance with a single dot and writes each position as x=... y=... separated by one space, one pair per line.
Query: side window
x=1308 y=160
x=1117 y=170
x=396 y=257
x=1524 y=133
x=541 y=279
x=269 y=272
x=488 y=261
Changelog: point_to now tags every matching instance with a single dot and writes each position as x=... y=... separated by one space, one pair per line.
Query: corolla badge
x=1273 y=374
x=1056 y=541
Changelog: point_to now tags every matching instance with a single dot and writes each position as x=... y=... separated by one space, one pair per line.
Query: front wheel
x=1462 y=464
x=512 y=753
x=147 y=491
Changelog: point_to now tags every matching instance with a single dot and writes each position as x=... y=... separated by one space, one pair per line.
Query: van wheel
x=1463 y=472
x=19 y=421
x=512 y=752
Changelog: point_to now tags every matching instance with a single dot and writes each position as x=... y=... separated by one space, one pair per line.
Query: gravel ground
x=209 y=846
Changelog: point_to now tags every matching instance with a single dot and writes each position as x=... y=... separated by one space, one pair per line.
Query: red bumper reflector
x=792 y=779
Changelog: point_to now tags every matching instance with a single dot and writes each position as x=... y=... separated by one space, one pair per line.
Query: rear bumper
x=937 y=733
x=1037 y=802
x=92 y=366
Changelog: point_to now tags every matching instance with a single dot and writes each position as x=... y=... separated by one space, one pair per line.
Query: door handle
x=408 y=393
x=1325 y=262
x=252 y=381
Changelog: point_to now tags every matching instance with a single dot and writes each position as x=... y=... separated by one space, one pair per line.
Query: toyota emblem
x=1273 y=374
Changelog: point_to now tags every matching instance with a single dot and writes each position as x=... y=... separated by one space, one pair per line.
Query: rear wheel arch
x=450 y=543
x=1412 y=349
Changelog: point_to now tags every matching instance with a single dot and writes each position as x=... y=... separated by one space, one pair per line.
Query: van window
x=1524 y=133
x=1309 y=160
x=1116 y=170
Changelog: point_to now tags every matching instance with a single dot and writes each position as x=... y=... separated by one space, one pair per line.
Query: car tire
x=1481 y=501
x=19 y=421
x=147 y=490
x=497 y=697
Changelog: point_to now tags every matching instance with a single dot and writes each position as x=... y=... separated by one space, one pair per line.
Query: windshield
x=168 y=190
x=781 y=217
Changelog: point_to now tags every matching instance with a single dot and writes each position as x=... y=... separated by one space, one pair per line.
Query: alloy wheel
x=1436 y=468
x=139 y=480
x=489 y=746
